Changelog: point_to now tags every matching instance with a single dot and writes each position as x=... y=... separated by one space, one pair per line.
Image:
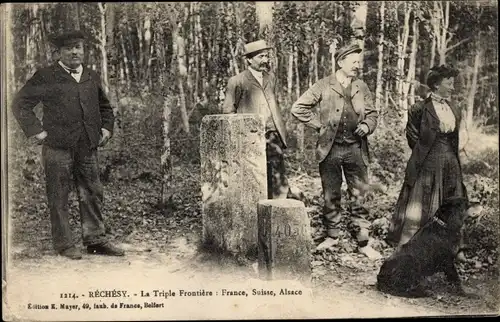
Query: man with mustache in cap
x=253 y=91
x=77 y=118
x=346 y=117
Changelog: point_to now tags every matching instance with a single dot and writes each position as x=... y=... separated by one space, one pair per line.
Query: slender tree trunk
x=102 y=47
x=148 y=48
x=201 y=53
x=45 y=42
x=386 y=103
x=76 y=16
x=315 y=60
x=433 y=51
x=264 y=12
x=297 y=74
x=333 y=49
x=380 y=66
x=179 y=49
x=411 y=72
x=166 y=156
x=444 y=37
x=358 y=25
x=31 y=50
x=300 y=126
x=436 y=24
x=402 y=45
x=190 y=53
x=310 y=75
x=290 y=77
x=133 y=57
x=125 y=62
x=8 y=57
x=413 y=61
x=473 y=87
x=141 y=61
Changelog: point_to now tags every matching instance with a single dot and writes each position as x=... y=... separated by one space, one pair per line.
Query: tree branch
x=457 y=44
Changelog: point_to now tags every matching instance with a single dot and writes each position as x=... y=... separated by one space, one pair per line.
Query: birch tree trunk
x=166 y=156
x=290 y=77
x=190 y=53
x=402 y=45
x=315 y=60
x=433 y=51
x=297 y=74
x=386 y=104
x=473 y=88
x=310 y=75
x=264 y=12
x=413 y=62
x=76 y=15
x=358 y=25
x=436 y=19
x=133 y=57
x=411 y=72
x=179 y=50
x=333 y=49
x=380 y=65
x=148 y=48
x=300 y=126
x=8 y=57
x=444 y=36
x=125 y=69
x=102 y=47
x=31 y=43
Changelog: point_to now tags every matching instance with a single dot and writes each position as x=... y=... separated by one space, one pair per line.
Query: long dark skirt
x=440 y=178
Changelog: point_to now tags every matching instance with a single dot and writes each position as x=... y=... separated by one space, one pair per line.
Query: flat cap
x=346 y=50
x=255 y=46
x=67 y=37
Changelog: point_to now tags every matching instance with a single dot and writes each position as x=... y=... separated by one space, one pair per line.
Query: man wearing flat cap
x=253 y=91
x=77 y=118
x=346 y=116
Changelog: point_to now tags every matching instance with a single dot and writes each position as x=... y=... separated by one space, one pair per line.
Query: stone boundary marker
x=233 y=180
x=285 y=242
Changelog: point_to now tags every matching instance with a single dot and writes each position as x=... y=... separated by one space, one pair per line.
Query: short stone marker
x=285 y=241
x=233 y=180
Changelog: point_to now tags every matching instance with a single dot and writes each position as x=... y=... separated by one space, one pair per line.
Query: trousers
x=63 y=168
x=277 y=182
x=346 y=158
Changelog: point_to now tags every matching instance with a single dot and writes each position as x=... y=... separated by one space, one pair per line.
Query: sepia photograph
x=249 y=160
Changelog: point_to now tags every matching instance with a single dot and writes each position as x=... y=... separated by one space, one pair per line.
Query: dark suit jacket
x=328 y=95
x=69 y=107
x=245 y=95
x=421 y=131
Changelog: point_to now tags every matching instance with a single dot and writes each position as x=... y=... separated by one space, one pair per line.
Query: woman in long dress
x=433 y=171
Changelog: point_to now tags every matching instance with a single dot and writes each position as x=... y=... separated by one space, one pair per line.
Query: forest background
x=166 y=65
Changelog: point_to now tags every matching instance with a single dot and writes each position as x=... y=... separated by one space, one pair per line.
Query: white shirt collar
x=342 y=78
x=256 y=73
x=79 y=69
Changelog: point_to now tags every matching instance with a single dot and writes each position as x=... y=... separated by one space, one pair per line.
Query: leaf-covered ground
x=132 y=188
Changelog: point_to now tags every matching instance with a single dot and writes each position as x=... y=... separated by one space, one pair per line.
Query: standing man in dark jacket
x=346 y=117
x=77 y=118
x=253 y=91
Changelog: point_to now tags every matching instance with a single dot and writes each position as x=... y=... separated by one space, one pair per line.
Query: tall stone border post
x=233 y=180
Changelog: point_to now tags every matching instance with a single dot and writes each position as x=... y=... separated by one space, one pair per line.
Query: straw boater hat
x=346 y=50
x=67 y=37
x=254 y=47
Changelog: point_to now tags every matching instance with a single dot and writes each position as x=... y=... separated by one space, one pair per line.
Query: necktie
x=72 y=71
